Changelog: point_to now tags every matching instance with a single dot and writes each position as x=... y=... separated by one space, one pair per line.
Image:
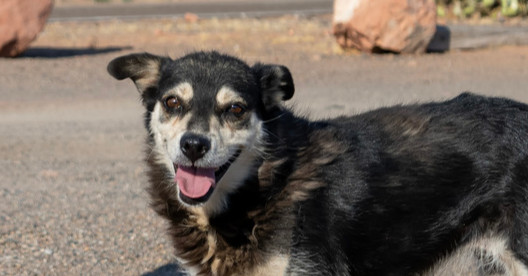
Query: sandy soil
x=71 y=137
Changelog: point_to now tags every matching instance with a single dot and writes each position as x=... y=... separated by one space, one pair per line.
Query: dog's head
x=205 y=116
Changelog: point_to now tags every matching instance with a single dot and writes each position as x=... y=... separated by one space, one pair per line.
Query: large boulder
x=20 y=23
x=401 y=26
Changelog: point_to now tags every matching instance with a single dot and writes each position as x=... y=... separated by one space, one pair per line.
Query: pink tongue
x=195 y=182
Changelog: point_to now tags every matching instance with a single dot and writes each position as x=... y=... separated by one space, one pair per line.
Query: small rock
x=191 y=17
x=400 y=26
x=49 y=174
x=20 y=23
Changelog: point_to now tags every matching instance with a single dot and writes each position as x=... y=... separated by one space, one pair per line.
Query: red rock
x=401 y=26
x=20 y=23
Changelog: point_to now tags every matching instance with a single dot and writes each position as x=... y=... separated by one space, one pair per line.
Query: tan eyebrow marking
x=184 y=91
x=226 y=96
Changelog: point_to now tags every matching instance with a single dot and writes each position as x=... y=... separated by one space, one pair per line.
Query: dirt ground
x=71 y=137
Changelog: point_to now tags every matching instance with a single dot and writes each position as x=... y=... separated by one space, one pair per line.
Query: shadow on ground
x=166 y=270
x=45 y=52
x=441 y=41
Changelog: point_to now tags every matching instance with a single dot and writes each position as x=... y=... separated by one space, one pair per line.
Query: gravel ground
x=71 y=138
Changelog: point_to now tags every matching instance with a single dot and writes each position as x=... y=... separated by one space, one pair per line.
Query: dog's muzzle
x=196 y=184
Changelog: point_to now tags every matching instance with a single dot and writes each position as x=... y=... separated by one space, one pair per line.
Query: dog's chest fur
x=255 y=237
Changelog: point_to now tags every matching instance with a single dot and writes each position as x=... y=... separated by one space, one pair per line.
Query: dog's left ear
x=276 y=83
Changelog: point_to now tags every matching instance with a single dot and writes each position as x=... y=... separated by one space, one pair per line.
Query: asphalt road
x=71 y=137
x=202 y=9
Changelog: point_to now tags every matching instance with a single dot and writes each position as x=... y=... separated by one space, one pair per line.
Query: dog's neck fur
x=237 y=240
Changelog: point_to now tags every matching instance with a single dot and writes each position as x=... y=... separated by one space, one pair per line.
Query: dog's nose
x=194 y=146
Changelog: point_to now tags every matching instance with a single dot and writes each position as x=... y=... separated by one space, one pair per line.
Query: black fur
x=388 y=192
x=404 y=200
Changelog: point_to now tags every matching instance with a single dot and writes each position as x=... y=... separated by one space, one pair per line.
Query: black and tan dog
x=251 y=189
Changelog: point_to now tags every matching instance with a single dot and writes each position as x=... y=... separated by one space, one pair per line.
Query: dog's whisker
x=150 y=151
x=267 y=143
x=273 y=119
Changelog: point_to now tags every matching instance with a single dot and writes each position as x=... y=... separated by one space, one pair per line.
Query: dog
x=249 y=188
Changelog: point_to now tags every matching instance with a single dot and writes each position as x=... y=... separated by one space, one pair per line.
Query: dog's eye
x=172 y=103
x=236 y=110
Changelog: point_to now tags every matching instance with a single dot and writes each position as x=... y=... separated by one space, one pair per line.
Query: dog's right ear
x=276 y=83
x=144 y=69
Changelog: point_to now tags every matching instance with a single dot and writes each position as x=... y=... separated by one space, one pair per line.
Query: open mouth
x=196 y=184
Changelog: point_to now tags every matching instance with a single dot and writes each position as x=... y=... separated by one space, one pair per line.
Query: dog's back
x=415 y=183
